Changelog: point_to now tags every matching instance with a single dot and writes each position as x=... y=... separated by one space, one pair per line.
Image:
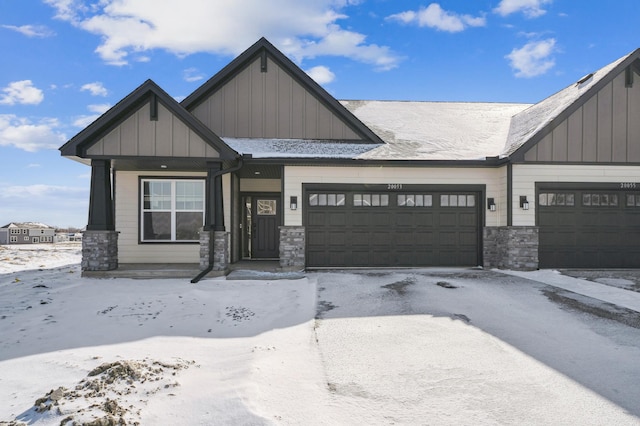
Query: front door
x=265 y=236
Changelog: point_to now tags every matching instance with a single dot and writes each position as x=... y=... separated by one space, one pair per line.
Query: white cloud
x=433 y=16
x=530 y=8
x=21 y=92
x=96 y=89
x=38 y=190
x=192 y=75
x=23 y=134
x=533 y=59
x=321 y=74
x=99 y=108
x=38 y=31
x=302 y=29
x=84 y=120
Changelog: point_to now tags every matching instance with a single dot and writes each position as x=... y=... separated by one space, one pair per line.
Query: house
x=260 y=162
x=26 y=233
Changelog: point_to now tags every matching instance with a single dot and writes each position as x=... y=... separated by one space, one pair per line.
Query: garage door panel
x=590 y=233
x=393 y=234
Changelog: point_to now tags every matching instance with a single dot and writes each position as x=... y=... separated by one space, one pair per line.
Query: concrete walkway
x=617 y=296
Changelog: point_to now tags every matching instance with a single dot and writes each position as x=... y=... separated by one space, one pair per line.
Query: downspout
x=209 y=268
x=509 y=193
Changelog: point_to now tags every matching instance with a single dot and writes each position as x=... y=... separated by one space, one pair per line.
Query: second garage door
x=377 y=228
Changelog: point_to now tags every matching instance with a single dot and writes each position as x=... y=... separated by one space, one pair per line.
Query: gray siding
x=138 y=135
x=604 y=129
x=270 y=104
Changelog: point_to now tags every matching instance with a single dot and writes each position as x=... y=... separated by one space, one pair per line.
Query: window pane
x=613 y=199
x=268 y=207
x=444 y=200
x=630 y=200
x=462 y=200
x=419 y=200
x=322 y=199
x=357 y=200
x=313 y=199
x=471 y=200
x=375 y=199
x=453 y=200
x=542 y=199
x=366 y=199
x=570 y=199
x=428 y=200
x=157 y=195
x=560 y=199
x=331 y=199
x=402 y=200
x=189 y=195
x=384 y=200
x=340 y=200
x=586 y=199
x=157 y=226
x=188 y=224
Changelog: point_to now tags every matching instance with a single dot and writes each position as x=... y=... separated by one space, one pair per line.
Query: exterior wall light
x=491 y=204
x=524 y=204
x=293 y=203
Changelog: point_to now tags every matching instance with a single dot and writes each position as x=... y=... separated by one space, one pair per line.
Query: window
x=600 y=200
x=26 y=238
x=370 y=200
x=15 y=231
x=13 y=239
x=172 y=210
x=457 y=200
x=567 y=199
x=633 y=200
x=266 y=207
x=415 y=200
x=326 y=200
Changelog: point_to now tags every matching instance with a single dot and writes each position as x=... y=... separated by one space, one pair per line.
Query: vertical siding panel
x=147 y=133
x=201 y=112
x=605 y=121
x=545 y=148
x=179 y=138
x=559 y=146
x=164 y=136
x=129 y=133
x=532 y=154
x=258 y=103
x=270 y=81
x=324 y=130
x=619 y=137
x=633 y=148
x=243 y=103
x=215 y=106
x=284 y=104
x=590 y=130
x=574 y=136
x=230 y=94
x=298 y=124
x=311 y=117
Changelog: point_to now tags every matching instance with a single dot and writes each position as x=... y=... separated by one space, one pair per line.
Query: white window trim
x=173 y=209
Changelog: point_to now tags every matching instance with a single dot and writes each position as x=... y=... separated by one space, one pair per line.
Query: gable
x=604 y=128
x=591 y=121
x=138 y=135
x=263 y=95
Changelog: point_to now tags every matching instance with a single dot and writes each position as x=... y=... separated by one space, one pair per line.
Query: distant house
x=260 y=162
x=26 y=233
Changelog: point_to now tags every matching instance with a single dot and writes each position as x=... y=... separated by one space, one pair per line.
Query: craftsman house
x=260 y=162
x=26 y=233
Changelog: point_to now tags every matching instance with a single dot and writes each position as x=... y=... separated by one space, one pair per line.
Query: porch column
x=214 y=209
x=100 y=240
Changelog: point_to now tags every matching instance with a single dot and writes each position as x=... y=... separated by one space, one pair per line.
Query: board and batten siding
x=271 y=104
x=494 y=179
x=605 y=129
x=138 y=135
x=525 y=177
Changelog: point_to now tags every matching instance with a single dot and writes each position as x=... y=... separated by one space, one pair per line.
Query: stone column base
x=216 y=251
x=292 y=247
x=99 y=251
x=511 y=247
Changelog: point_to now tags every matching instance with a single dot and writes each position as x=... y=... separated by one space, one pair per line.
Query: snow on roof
x=297 y=148
x=530 y=121
x=27 y=225
x=436 y=130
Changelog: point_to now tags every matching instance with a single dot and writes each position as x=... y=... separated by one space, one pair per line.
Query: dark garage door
x=360 y=228
x=589 y=228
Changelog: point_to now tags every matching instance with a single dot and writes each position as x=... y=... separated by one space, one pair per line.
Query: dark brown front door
x=265 y=235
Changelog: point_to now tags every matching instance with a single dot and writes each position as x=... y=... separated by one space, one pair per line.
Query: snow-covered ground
x=435 y=346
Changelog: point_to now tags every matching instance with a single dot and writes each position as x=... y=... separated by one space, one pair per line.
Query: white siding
x=493 y=178
x=127 y=224
x=525 y=177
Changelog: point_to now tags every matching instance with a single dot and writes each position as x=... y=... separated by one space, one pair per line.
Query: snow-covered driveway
x=437 y=347
x=471 y=347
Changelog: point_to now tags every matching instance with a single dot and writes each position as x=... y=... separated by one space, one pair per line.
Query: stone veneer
x=292 y=247
x=511 y=247
x=99 y=251
x=220 y=253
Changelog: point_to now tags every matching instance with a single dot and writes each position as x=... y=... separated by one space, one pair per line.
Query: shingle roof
x=27 y=225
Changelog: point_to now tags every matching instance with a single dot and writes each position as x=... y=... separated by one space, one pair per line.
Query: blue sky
x=64 y=62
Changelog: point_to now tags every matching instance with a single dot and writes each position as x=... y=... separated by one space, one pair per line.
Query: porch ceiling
x=260 y=171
